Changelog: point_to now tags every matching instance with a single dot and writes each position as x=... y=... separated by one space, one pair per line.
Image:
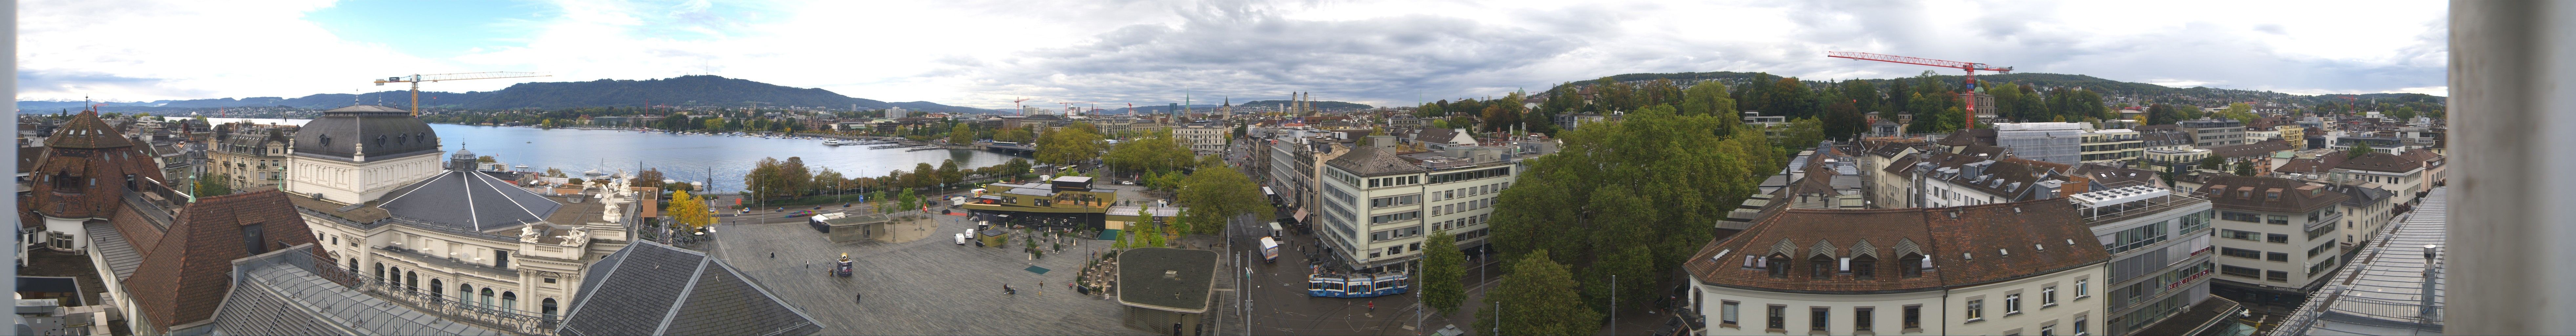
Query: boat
x=833 y=142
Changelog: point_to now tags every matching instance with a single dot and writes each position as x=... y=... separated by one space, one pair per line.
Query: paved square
x=923 y=287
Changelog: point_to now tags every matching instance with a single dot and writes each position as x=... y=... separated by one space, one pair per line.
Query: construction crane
x=417 y=78
x=1970 y=67
x=1017 y=109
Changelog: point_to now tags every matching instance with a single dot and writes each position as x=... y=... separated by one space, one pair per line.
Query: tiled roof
x=27 y=158
x=1988 y=152
x=279 y=293
x=1966 y=137
x=2230 y=192
x=469 y=201
x=2381 y=162
x=385 y=132
x=2115 y=176
x=2321 y=164
x=654 y=289
x=2050 y=166
x=87 y=131
x=1143 y=280
x=1371 y=161
x=1901 y=167
x=2259 y=148
x=184 y=277
x=1968 y=245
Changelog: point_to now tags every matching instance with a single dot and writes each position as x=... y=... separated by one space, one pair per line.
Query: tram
x=1357 y=285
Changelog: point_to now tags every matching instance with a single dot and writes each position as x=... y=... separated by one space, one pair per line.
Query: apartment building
x=2207 y=132
x=2159 y=243
x=1204 y=137
x=2400 y=175
x=252 y=160
x=2112 y=146
x=2275 y=235
x=2174 y=160
x=1377 y=204
x=2028 y=270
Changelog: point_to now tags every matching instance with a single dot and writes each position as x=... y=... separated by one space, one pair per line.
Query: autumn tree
x=689 y=212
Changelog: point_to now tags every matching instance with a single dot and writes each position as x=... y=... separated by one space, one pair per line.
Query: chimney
x=2426 y=308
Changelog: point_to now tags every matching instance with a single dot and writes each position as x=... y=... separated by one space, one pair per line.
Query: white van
x=1275 y=231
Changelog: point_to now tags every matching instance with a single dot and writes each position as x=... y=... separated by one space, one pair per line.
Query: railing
x=450 y=262
x=461 y=310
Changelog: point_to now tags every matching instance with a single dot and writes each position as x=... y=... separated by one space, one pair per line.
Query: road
x=1277 y=290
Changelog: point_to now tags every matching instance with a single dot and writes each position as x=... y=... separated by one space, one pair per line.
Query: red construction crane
x=1016 y=108
x=1970 y=67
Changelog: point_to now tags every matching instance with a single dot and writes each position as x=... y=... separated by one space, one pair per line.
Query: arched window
x=437 y=292
x=510 y=302
x=353 y=265
x=465 y=294
x=487 y=298
x=549 y=308
x=1820 y=267
x=1779 y=265
x=1864 y=267
x=380 y=272
x=411 y=282
x=1911 y=265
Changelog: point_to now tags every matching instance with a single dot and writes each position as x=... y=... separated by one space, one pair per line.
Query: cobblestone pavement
x=922 y=287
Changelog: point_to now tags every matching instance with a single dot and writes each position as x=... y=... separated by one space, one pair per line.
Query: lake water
x=680 y=157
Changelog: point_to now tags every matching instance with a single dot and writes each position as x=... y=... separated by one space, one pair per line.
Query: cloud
x=984 y=53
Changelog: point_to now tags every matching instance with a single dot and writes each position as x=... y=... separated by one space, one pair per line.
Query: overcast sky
x=984 y=54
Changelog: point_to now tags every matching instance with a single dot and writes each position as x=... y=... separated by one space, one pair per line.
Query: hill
x=696 y=90
x=2108 y=87
x=1322 y=104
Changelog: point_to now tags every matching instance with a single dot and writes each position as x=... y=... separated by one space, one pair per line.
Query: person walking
x=1372 y=304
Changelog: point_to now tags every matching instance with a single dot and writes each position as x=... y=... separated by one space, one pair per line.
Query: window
x=2240 y=216
x=510 y=302
x=1976 y=310
x=252 y=238
x=2238 y=235
x=2277 y=256
x=2276 y=238
x=1395 y=250
x=2276 y=219
x=1779 y=318
x=1820 y=267
x=2137 y=237
x=1816 y=318
x=2079 y=324
x=2048 y=330
x=1912 y=265
x=1778 y=264
x=1864 y=267
x=2240 y=253
x=1914 y=317
x=2081 y=287
x=1726 y=313
x=550 y=280
x=2241 y=272
x=2277 y=275
x=501 y=259
x=2048 y=297
x=549 y=306
x=1860 y=318
x=2012 y=304
x=2322 y=248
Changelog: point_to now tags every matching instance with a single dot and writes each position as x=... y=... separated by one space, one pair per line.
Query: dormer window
x=326 y=140
x=1778 y=264
x=1913 y=266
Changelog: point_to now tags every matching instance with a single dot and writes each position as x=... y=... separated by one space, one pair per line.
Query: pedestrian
x=1372 y=306
x=773 y=255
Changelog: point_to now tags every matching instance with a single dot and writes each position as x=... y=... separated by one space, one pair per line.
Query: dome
x=365 y=131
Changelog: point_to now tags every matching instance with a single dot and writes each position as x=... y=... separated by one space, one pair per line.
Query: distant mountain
x=1322 y=104
x=2109 y=87
x=696 y=90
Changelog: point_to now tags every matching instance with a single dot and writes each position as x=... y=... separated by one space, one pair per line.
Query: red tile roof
x=2381 y=162
x=183 y=279
x=2230 y=192
x=1968 y=246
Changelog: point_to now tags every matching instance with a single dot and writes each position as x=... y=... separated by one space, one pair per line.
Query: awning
x=1300 y=216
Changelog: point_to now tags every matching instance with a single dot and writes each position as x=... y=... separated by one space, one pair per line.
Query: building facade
x=2213 y=132
x=2113 y=146
x=1204 y=137
x=358 y=153
x=1377 y=205
x=2274 y=235
x=2160 y=252
x=1884 y=271
x=251 y=160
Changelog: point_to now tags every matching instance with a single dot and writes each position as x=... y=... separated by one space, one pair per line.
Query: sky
x=987 y=53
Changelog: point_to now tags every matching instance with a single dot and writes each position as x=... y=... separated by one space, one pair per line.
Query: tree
x=1802 y=133
x=2358 y=149
x=1072 y=144
x=214 y=185
x=2212 y=162
x=2245 y=168
x=1016 y=167
x=1157 y=150
x=649 y=178
x=948 y=173
x=908 y=200
x=925 y=176
x=1215 y=195
x=553 y=172
x=961 y=134
x=1695 y=173
x=689 y=212
x=1444 y=273
x=486 y=159
x=1540 y=294
x=2238 y=111
x=2161 y=114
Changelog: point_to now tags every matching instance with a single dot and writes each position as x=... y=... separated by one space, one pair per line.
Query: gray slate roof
x=1371 y=161
x=121 y=256
x=386 y=133
x=1142 y=281
x=654 y=289
x=469 y=201
x=278 y=293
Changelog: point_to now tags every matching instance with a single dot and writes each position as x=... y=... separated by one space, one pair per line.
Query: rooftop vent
x=2070 y=242
x=2038 y=246
x=1966 y=256
x=2003 y=251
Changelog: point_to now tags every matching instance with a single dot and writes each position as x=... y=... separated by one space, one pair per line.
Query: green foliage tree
x=924 y=176
x=554 y=172
x=486 y=159
x=1016 y=167
x=2358 y=150
x=1072 y=144
x=1444 y=273
x=961 y=134
x=1540 y=294
x=2238 y=111
x=1675 y=163
x=1215 y=195
x=214 y=185
x=1158 y=150
x=2212 y=162
x=949 y=173
x=2161 y=114
x=2245 y=168
x=1801 y=134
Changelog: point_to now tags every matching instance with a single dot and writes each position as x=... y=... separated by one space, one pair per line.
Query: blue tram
x=1357 y=285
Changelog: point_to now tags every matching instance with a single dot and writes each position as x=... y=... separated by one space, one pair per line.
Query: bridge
x=1008 y=146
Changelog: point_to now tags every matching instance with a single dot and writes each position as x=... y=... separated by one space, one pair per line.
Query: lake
x=680 y=157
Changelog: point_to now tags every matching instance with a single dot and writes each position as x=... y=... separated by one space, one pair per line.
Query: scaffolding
x=2056 y=142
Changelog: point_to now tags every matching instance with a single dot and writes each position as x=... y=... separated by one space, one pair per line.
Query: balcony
x=448 y=262
x=434 y=302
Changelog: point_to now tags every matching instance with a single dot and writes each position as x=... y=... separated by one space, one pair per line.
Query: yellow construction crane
x=416 y=79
